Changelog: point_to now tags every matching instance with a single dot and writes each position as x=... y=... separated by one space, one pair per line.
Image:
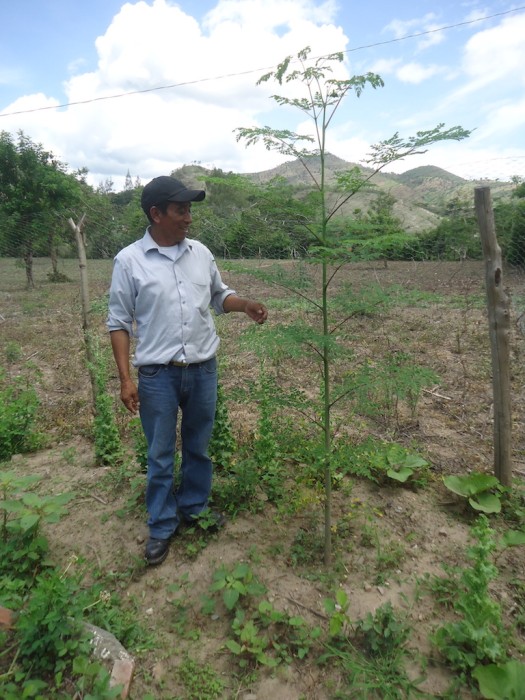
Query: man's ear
x=155 y=214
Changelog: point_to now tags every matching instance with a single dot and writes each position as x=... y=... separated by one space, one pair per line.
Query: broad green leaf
x=33 y=499
x=230 y=597
x=256 y=588
x=241 y=570
x=341 y=598
x=234 y=647
x=239 y=586
x=505 y=682
x=12 y=506
x=80 y=664
x=512 y=538
x=415 y=462
x=401 y=475
x=33 y=686
x=336 y=625
x=218 y=584
x=329 y=605
x=470 y=484
x=16 y=482
x=486 y=503
x=29 y=521
x=297 y=621
x=266 y=660
x=63 y=498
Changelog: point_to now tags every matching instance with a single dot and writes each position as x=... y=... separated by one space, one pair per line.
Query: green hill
x=421 y=193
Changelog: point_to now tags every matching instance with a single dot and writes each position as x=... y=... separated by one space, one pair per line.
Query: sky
x=148 y=86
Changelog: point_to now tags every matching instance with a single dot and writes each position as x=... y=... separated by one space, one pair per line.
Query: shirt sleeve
x=219 y=290
x=121 y=311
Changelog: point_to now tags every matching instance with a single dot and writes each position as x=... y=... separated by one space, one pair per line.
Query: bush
x=18 y=407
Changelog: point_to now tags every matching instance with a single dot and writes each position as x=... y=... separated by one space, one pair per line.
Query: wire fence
x=441 y=318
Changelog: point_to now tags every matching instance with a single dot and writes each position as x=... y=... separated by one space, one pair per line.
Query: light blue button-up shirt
x=162 y=298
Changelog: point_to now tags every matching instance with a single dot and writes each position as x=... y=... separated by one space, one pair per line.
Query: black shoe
x=209 y=520
x=156 y=551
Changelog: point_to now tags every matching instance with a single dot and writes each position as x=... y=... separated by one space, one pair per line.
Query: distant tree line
x=238 y=218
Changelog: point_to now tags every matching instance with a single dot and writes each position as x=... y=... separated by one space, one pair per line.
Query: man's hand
x=256 y=311
x=129 y=395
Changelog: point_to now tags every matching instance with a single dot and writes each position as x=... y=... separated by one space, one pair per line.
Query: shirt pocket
x=198 y=277
x=198 y=281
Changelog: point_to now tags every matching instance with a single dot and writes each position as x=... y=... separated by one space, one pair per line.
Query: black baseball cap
x=167 y=189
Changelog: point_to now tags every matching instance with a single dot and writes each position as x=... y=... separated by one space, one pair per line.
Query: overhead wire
x=224 y=76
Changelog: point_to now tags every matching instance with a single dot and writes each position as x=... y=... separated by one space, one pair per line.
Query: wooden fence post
x=499 y=329
x=84 y=294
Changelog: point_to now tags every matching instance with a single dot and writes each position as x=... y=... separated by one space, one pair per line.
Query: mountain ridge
x=422 y=193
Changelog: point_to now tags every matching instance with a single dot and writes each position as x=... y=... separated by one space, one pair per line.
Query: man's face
x=175 y=223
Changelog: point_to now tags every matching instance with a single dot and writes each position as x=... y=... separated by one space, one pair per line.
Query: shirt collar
x=149 y=244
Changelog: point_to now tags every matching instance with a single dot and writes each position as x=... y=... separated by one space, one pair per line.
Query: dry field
x=396 y=538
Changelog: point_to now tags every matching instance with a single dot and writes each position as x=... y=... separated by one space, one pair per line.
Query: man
x=161 y=291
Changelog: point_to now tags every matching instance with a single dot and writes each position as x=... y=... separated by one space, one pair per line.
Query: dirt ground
x=427 y=527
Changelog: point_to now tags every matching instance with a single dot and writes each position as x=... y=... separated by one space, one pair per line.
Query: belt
x=175 y=363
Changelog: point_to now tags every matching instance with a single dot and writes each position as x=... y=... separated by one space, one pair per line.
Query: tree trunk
x=53 y=255
x=84 y=293
x=28 y=261
x=499 y=329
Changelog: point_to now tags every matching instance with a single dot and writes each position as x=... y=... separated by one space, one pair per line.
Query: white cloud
x=401 y=28
x=507 y=117
x=210 y=71
x=470 y=161
x=384 y=66
x=433 y=38
x=38 y=101
x=495 y=55
x=148 y=46
x=425 y=25
x=266 y=16
x=416 y=73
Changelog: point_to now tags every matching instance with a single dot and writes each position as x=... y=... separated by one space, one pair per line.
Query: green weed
x=382 y=633
x=236 y=584
x=13 y=352
x=23 y=550
x=307 y=545
x=371 y=653
x=481 y=491
x=140 y=444
x=478 y=635
x=200 y=681
x=48 y=630
x=381 y=388
x=381 y=462
x=222 y=444
x=236 y=490
x=18 y=409
x=108 y=446
x=183 y=612
x=99 y=306
x=110 y=611
x=261 y=634
x=49 y=648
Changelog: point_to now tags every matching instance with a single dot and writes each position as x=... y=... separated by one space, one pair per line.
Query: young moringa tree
x=322 y=96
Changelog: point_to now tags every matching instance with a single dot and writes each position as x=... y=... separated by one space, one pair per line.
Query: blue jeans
x=162 y=391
